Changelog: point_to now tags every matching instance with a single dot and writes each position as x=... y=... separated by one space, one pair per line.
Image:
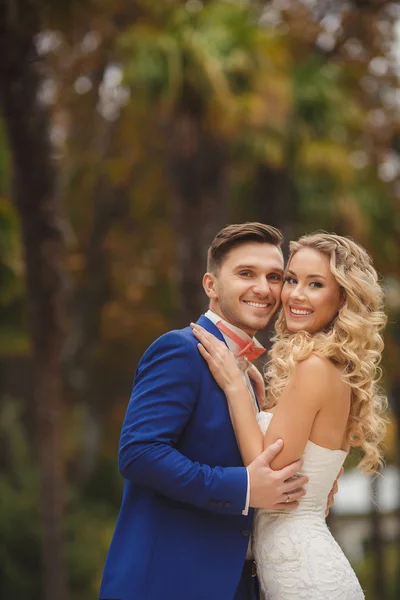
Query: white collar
x=233 y=347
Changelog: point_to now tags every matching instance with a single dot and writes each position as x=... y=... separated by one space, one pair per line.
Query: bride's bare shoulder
x=318 y=365
x=322 y=374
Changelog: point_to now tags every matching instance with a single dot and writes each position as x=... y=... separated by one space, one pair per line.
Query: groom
x=184 y=526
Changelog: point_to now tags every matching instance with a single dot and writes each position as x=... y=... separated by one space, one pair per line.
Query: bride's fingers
x=206 y=355
x=204 y=332
x=205 y=342
x=209 y=341
x=204 y=335
x=201 y=331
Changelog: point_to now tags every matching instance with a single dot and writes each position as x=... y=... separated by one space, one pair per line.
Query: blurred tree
x=169 y=120
x=181 y=62
x=27 y=123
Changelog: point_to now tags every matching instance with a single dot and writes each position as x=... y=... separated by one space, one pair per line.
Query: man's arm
x=163 y=399
x=334 y=490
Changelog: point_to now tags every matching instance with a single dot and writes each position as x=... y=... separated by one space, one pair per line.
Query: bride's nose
x=297 y=293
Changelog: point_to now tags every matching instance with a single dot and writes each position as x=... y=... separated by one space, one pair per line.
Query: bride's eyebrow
x=315 y=275
x=311 y=276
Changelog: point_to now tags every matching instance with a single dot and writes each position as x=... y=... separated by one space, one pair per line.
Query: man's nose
x=262 y=287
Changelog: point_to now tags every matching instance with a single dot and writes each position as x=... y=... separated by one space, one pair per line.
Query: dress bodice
x=297 y=557
x=321 y=466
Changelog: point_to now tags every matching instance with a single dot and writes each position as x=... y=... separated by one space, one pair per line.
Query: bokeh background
x=131 y=131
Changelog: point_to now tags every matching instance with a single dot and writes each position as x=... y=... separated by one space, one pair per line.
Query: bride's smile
x=311 y=296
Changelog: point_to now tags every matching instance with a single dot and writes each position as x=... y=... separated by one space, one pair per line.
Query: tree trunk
x=88 y=301
x=379 y=579
x=273 y=200
x=27 y=124
x=198 y=174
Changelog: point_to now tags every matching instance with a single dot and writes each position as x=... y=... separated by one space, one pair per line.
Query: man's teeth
x=296 y=311
x=257 y=304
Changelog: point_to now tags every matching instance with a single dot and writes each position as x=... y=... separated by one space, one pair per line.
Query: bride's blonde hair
x=352 y=341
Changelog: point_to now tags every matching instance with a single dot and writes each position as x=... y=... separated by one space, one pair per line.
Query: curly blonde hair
x=352 y=341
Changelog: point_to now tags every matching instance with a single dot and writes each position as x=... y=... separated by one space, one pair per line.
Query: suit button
x=228 y=504
x=245 y=532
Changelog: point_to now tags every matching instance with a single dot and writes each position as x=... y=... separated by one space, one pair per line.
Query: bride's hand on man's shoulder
x=219 y=359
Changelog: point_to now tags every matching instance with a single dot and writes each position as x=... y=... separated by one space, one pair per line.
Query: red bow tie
x=247 y=349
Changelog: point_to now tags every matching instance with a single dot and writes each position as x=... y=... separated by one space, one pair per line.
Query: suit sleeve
x=163 y=398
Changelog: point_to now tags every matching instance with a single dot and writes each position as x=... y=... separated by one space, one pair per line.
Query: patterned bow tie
x=247 y=349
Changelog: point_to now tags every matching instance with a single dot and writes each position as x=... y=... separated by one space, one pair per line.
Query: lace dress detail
x=297 y=557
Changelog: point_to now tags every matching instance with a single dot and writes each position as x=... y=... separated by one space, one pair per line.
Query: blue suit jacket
x=180 y=534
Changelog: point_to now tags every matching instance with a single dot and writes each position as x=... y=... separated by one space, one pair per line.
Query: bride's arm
x=247 y=431
x=226 y=373
x=241 y=409
x=313 y=384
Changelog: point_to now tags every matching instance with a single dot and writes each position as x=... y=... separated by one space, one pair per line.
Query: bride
x=322 y=399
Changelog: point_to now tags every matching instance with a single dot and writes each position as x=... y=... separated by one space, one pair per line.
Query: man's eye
x=245 y=274
x=275 y=277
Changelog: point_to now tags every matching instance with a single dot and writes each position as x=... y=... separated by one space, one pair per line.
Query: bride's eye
x=290 y=280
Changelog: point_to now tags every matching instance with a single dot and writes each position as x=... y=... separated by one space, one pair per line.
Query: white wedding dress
x=296 y=555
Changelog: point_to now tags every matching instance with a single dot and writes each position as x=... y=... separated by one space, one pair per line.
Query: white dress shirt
x=243 y=365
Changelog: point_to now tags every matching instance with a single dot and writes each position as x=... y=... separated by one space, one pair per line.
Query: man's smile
x=257 y=304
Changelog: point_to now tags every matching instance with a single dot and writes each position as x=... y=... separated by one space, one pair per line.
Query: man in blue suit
x=184 y=526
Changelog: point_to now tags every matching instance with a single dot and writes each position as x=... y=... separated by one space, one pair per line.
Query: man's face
x=246 y=291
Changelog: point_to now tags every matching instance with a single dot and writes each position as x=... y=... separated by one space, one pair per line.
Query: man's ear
x=209 y=285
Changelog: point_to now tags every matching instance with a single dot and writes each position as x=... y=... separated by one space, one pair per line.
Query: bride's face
x=311 y=295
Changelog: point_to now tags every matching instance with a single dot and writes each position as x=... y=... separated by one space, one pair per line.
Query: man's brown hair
x=234 y=235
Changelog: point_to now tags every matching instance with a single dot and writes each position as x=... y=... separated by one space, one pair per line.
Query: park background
x=131 y=131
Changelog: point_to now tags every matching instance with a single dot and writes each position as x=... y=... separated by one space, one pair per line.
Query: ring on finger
x=287 y=498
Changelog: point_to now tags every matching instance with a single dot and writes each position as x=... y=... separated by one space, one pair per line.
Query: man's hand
x=334 y=490
x=273 y=489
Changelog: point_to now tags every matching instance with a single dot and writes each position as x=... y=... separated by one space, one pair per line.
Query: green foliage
x=12 y=334
x=365 y=569
x=88 y=523
x=207 y=54
x=10 y=254
x=19 y=511
x=271 y=98
x=89 y=529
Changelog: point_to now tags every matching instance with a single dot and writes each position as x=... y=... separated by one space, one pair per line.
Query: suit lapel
x=210 y=327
